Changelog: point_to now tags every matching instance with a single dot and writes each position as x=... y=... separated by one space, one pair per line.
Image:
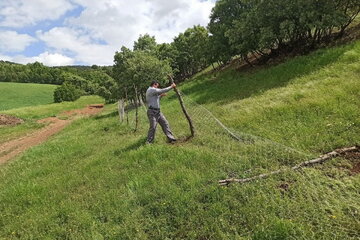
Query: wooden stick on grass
x=321 y=159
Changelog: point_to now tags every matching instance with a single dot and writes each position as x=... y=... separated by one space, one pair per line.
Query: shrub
x=67 y=92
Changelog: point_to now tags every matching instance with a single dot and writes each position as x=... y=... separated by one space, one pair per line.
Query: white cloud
x=121 y=22
x=53 y=59
x=20 y=13
x=46 y=58
x=5 y=58
x=11 y=41
x=79 y=44
x=104 y=25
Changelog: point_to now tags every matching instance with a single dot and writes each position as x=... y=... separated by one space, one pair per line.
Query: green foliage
x=221 y=20
x=135 y=70
x=167 y=52
x=191 y=51
x=88 y=80
x=15 y=95
x=258 y=26
x=30 y=73
x=67 y=92
x=145 y=43
x=92 y=80
x=142 y=68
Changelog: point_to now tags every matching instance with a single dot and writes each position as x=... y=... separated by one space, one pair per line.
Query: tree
x=133 y=71
x=221 y=20
x=191 y=51
x=145 y=43
x=67 y=92
x=266 y=28
x=142 y=68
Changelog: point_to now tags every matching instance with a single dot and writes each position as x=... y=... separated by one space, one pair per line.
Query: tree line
x=265 y=28
x=30 y=73
x=73 y=81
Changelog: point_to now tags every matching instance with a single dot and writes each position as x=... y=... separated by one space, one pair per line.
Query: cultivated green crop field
x=16 y=95
x=97 y=179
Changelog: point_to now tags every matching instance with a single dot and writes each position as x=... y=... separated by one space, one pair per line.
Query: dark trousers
x=155 y=117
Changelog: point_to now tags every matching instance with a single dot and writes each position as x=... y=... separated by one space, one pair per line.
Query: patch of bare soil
x=6 y=120
x=90 y=110
x=354 y=158
x=10 y=149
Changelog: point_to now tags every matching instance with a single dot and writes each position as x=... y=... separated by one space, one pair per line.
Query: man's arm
x=164 y=90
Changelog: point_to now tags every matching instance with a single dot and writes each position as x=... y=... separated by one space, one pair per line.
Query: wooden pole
x=121 y=109
x=127 y=102
x=136 y=109
x=191 y=125
x=318 y=160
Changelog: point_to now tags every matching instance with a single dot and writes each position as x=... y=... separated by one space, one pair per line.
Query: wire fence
x=328 y=205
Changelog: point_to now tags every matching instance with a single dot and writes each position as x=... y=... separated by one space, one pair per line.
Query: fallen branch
x=321 y=159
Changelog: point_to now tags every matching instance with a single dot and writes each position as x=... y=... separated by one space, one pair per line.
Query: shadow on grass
x=134 y=146
x=231 y=84
x=109 y=115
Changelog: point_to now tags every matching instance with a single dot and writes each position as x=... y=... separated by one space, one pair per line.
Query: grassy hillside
x=16 y=95
x=97 y=180
x=32 y=114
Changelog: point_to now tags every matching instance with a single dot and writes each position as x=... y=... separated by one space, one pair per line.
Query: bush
x=67 y=92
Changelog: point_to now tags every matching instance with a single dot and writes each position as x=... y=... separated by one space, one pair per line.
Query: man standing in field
x=153 y=95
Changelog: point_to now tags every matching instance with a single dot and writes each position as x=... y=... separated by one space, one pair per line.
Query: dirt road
x=10 y=149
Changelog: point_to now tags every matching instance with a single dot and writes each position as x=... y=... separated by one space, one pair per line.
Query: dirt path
x=10 y=149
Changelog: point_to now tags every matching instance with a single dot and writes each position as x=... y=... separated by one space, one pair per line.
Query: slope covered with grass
x=97 y=179
x=31 y=114
x=16 y=95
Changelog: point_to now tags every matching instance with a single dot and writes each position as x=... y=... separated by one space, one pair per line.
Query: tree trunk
x=136 y=102
x=121 y=109
x=127 y=101
x=191 y=125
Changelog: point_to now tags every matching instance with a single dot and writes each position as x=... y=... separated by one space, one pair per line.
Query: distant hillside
x=38 y=73
x=16 y=95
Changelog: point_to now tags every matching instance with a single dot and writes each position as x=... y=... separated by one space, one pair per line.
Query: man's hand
x=173 y=85
x=163 y=95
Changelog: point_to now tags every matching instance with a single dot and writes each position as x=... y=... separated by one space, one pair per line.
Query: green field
x=97 y=179
x=32 y=114
x=16 y=95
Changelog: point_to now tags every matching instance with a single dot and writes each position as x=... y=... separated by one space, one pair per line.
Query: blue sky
x=82 y=32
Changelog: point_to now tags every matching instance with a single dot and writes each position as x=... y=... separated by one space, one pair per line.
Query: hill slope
x=16 y=95
x=98 y=180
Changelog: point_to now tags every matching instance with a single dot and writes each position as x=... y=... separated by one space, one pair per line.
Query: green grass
x=32 y=114
x=97 y=180
x=17 y=95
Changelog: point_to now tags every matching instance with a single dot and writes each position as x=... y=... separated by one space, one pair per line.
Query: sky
x=87 y=32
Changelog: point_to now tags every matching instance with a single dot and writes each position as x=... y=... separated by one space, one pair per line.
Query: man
x=153 y=95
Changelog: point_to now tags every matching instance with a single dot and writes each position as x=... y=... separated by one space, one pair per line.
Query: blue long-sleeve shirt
x=153 y=96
